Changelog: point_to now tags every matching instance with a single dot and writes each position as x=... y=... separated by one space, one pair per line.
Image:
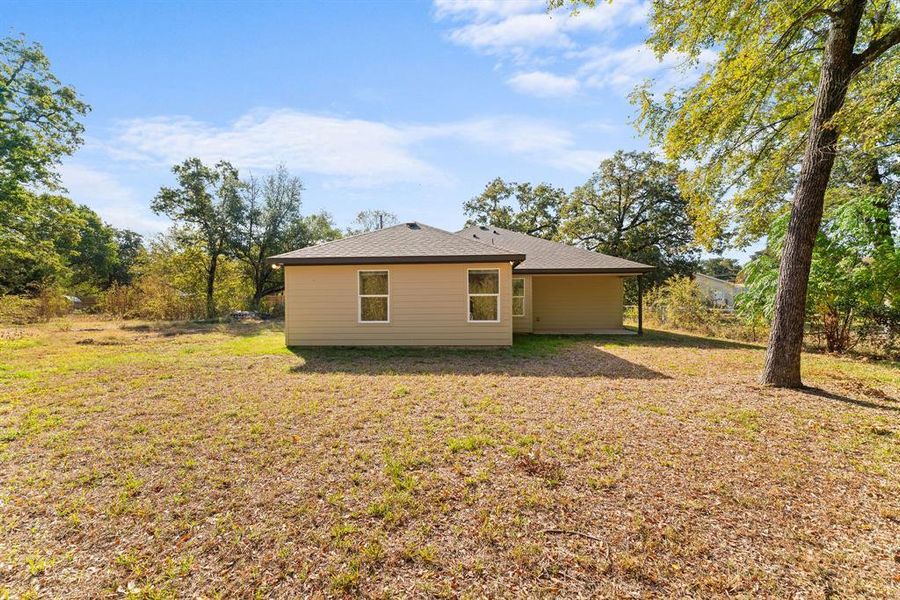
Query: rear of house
x=412 y=284
x=718 y=292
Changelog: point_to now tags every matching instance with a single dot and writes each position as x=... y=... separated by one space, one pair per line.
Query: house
x=412 y=284
x=718 y=292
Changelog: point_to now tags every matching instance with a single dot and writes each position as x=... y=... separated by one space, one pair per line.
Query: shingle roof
x=544 y=256
x=404 y=243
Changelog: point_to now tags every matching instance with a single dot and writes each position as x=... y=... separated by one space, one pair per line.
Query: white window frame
x=360 y=296
x=470 y=296
x=513 y=288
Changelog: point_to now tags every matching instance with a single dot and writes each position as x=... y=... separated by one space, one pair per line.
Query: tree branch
x=875 y=49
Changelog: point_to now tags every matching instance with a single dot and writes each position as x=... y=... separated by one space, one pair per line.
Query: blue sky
x=408 y=107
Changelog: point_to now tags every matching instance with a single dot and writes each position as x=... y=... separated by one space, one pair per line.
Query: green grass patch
x=469 y=443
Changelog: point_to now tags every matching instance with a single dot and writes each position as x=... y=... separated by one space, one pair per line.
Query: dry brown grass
x=209 y=461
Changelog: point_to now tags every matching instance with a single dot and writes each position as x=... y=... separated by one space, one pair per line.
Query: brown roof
x=544 y=256
x=404 y=243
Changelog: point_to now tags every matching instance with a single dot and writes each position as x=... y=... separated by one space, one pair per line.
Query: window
x=518 y=296
x=374 y=292
x=484 y=295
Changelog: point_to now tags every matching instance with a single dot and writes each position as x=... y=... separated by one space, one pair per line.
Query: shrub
x=46 y=303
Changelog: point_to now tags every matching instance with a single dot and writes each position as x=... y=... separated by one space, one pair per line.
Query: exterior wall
x=716 y=291
x=524 y=324
x=577 y=303
x=428 y=306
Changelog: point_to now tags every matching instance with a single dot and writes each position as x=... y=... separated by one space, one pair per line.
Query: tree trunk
x=210 y=286
x=782 y=368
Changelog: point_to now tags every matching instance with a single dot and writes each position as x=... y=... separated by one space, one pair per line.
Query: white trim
x=360 y=296
x=469 y=297
x=513 y=287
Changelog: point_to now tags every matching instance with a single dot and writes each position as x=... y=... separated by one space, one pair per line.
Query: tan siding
x=577 y=303
x=428 y=306
x=523 y=324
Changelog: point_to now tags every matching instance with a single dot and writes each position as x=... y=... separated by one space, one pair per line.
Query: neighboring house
x=718 y=292
x=412 y=284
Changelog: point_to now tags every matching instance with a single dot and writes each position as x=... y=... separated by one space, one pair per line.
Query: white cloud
x=354 y=152
x=541 y=44
x=366 y=152
x=514 y=34
x=624 y=68
x=543 y=84
x=116 y=203
x=484 y=9
x=518 y=28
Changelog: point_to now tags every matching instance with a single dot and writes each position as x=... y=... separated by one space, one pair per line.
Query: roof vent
x=413 y=225
x=483 y=227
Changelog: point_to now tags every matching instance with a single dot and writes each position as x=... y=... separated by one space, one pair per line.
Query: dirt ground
x=210 y=461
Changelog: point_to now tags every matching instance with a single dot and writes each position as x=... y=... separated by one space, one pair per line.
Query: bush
x=679 y=304
x=46 y=303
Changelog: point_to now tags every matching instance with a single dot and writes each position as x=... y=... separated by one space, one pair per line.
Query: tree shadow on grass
x=228 y=327
x=666 y=339
x=530 y=356
x=821 y=393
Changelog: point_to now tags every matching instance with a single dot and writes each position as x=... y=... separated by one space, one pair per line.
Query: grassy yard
x=164 y=461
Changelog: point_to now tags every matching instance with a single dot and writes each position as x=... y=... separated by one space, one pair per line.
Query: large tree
x=371 y=220
x=631 y=207
x=39 y=117
x=205 y=204
x=531 y=209
x=720 y=267
x=784 y=88
x=268 y=221
x=39 y=124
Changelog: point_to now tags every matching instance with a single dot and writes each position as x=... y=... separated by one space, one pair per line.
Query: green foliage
x=631 y=207
x=38 y=118
x=265 y=221
x=204 y=206
x=744 y=121
x=720 y=267
x=679 y=304
x=534 y=210
x=169 y=283
x=44 y=303
x=57 y=242
x=854 y=284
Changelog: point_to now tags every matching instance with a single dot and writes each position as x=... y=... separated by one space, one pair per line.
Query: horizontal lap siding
x=577 y=303
x=428 y=306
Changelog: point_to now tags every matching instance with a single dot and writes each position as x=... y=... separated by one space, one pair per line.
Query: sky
x=410 y=107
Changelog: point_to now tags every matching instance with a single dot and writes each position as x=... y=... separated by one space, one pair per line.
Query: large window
x=484 y=295
x=518 y=297
x=374 y=290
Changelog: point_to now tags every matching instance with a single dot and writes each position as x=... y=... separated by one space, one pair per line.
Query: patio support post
x=640 y=282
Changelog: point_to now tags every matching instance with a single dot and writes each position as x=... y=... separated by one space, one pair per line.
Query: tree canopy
x=745 y=121
x=204 y=203
x=267 y=221
x=631 y=207
x=531 y=209
x=371 y=220
x=39 y=117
